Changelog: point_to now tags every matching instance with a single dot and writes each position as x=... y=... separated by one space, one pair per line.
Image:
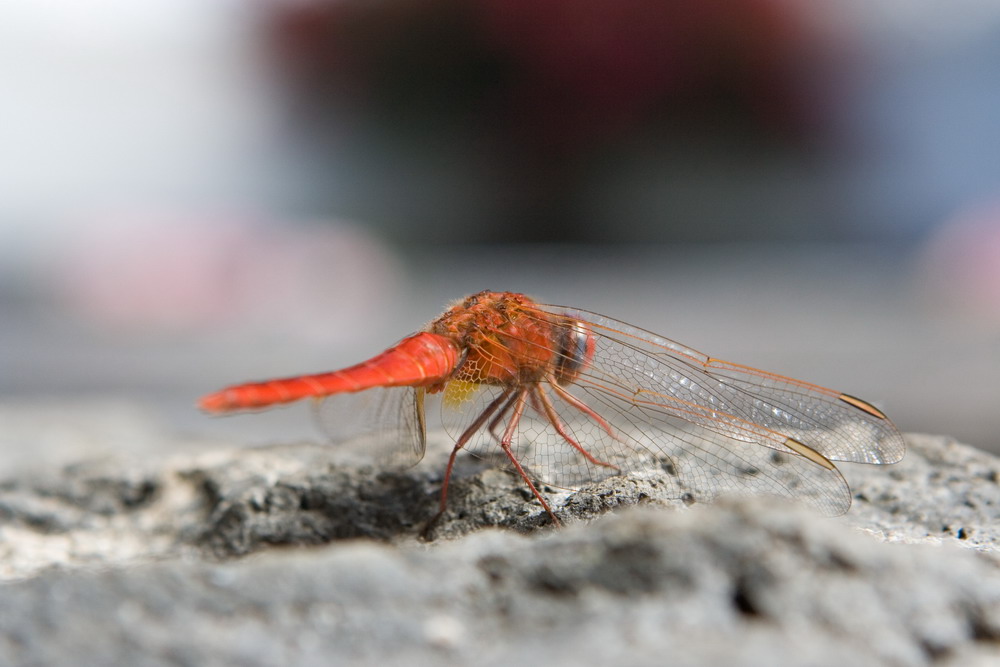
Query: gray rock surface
x=180 y=561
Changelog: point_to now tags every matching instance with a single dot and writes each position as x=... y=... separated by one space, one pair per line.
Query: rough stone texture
x=174 y=562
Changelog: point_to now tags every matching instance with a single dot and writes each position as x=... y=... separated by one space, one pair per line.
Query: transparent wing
x=648 y=405
x=741 y=402
x=384 y=425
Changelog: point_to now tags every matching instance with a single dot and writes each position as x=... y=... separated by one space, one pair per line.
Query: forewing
x=384 y=425
x=738 y=401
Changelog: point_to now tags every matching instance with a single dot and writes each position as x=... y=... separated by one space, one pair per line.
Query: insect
x=566 y=396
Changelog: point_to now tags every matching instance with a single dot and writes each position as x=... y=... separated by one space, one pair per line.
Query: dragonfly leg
x=508 y=435
x=538 y=395
x=503 y=399
x=499 y=418
x=581 y=406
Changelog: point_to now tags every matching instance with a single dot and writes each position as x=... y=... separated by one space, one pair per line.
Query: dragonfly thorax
x=507 y=340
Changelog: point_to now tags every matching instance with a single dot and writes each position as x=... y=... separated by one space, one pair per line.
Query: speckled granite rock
x=170 y=562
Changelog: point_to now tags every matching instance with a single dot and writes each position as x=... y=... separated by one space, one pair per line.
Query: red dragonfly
x=567 y=396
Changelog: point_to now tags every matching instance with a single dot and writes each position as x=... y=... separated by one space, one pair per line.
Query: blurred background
x=198 y=193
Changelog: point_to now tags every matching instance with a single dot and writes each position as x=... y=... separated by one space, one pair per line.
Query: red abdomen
x=420 y=360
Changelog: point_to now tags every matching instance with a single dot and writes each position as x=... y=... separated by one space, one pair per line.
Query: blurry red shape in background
x=557 y=74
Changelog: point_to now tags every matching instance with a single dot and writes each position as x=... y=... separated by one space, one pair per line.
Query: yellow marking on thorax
x=457 y=392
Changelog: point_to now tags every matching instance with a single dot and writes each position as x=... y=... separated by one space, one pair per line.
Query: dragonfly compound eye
x=576 y=349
